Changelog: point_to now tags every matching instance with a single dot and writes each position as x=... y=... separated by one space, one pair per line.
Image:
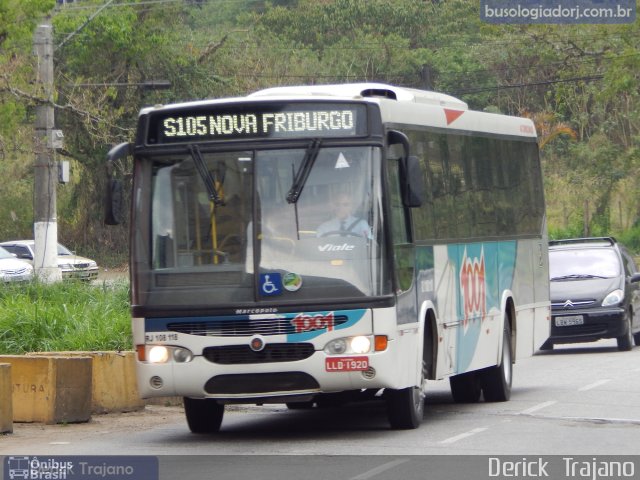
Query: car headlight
x=614 y=298
x=65 y=266
x=93 y=264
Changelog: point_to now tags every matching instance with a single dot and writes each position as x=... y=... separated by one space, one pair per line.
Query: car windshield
x=62 y=250
x=565 y=264
x=5 y=254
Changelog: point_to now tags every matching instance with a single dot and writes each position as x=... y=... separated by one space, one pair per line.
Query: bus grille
x=252 y=383
x=246 y=327
x=272 y=352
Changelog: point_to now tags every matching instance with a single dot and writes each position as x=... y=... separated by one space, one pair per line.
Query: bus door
x=406 y=190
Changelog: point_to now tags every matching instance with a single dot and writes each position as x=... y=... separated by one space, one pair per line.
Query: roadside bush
x=631 y=239
x=66 y=316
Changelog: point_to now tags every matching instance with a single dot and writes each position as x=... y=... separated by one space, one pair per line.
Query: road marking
x=463 y=435
x=540 y=406
x=596 y=420
x=594 y=385
x=382 y=468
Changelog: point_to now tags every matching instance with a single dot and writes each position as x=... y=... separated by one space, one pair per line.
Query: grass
x=66 y=316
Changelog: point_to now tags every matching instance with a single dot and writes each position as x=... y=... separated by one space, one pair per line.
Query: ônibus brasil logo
x=473 y=287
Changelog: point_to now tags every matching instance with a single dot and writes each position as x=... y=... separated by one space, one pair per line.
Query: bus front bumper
x=269 y=382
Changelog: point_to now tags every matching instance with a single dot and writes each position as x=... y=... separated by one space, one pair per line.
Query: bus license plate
x=346 y=364
x=569 y=321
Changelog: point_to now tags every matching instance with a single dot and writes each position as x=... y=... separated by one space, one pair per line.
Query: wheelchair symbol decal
x=270 y=284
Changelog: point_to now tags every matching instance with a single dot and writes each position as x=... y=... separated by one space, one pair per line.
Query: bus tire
x=405 y=407
x=496 y=381
x=465 y=388
x=204 y=415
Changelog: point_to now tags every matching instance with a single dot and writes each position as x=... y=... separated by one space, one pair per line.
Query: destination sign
x=293 y=120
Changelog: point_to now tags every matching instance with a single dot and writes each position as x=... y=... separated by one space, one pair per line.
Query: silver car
x=72 y=266
x=12 y=269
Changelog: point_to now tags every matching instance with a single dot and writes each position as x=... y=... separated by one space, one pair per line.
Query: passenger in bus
x=344 y=223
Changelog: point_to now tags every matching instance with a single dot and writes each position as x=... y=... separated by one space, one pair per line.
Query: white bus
x=243 y=292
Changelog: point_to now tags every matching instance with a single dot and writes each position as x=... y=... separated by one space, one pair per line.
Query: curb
x=6 y=403
x=113 y=386
x=68 y=387
x=50 y=389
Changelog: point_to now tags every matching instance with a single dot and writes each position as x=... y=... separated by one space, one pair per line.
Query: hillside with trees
x=579 y=83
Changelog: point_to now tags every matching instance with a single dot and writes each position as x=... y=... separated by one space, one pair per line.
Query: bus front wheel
x=405 y=407
x=204 y=415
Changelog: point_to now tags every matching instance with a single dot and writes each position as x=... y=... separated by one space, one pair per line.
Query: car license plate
x=346 y=364
x=569 y=320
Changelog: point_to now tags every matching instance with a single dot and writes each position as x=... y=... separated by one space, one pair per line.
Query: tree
x=18 y=19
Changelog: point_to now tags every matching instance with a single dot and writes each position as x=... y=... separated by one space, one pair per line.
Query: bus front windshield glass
x=267 y=226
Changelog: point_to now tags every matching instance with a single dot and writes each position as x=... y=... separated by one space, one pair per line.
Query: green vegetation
x=579 y=83
x=69 y=316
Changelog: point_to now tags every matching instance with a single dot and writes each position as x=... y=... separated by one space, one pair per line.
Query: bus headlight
x=360 y=344
x=164 y=354
x=336 y=347
x=349 y=345
x=182 y=355
x=158 y=354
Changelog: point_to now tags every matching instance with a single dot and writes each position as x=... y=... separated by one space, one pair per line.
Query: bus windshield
x=223 y=226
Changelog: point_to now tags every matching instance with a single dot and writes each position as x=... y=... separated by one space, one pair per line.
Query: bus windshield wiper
x=303 y=172
x=205 y=174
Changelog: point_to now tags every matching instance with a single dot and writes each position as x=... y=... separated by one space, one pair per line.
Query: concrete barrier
x=6 y=400
x=113 y=387
x=50 y=389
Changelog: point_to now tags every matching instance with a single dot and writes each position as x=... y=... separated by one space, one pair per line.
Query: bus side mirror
x=411 y=178
x=413 y=183
x=113 y=199
x=113 y=202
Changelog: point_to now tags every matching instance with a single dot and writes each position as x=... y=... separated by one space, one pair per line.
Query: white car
x=73 y=266
x=12 y=269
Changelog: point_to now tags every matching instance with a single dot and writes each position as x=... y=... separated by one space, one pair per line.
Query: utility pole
x=45 y=226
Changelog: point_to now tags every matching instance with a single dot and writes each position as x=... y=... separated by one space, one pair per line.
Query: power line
x=91 y=17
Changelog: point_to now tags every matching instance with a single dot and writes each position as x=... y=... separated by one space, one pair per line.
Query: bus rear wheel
x=496 y=381
x=204 y=415
x=465 y=388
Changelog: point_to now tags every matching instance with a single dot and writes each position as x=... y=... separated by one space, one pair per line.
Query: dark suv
x=595 y=292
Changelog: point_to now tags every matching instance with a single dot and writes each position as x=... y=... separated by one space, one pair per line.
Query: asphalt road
x=582 y=399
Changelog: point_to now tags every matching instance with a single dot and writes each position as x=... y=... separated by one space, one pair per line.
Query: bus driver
x=344 y=223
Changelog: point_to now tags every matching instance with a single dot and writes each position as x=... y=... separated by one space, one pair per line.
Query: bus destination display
x=244 y=122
